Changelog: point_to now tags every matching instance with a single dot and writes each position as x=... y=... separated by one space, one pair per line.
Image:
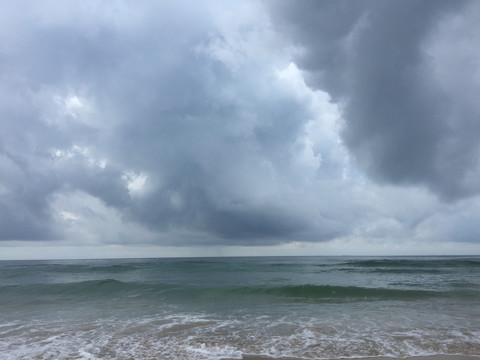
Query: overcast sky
x=181 y=128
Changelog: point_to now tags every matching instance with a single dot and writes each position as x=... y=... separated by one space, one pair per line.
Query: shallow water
x=213 y=308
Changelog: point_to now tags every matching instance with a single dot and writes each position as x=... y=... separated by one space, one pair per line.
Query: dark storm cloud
x=92 y=104
x=381 y=59
x=23 y=209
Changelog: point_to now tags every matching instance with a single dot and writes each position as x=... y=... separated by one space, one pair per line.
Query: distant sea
x=217 y=308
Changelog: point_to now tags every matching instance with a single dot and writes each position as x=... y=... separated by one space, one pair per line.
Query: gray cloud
x=190 y=124
x=386 y=61
x=165 y=118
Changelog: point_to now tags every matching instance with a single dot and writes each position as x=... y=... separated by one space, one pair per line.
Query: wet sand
x=431 y=357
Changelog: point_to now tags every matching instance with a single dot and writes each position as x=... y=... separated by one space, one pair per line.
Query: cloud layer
x=239 y=123
x=405 y=72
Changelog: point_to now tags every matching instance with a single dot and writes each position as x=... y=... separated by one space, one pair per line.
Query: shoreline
x=426 y=357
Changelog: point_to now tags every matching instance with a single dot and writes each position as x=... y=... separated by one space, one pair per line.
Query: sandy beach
x=430 y=357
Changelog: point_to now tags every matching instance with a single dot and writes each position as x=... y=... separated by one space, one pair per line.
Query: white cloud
x=135 y=182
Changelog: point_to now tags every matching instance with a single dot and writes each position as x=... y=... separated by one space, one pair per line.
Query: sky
x=225 y=128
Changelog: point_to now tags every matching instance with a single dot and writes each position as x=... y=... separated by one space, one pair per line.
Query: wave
x=413 y=266
x=175 y=294
x=82 y=289
x=416 y=263
x=328 y=292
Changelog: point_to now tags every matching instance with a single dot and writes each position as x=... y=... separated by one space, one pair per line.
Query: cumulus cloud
x=404 y=72
x=180 y=119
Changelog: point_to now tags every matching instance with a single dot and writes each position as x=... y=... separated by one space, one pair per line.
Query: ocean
x=234 y=308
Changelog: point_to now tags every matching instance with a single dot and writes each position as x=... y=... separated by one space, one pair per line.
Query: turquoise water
x=214 y=308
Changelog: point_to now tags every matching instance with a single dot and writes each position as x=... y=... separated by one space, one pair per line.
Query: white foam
x=204 y=337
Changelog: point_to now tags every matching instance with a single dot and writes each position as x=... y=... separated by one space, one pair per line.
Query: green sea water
x=214 y=308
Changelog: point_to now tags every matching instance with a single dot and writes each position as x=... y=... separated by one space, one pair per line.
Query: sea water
x=216 y=308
